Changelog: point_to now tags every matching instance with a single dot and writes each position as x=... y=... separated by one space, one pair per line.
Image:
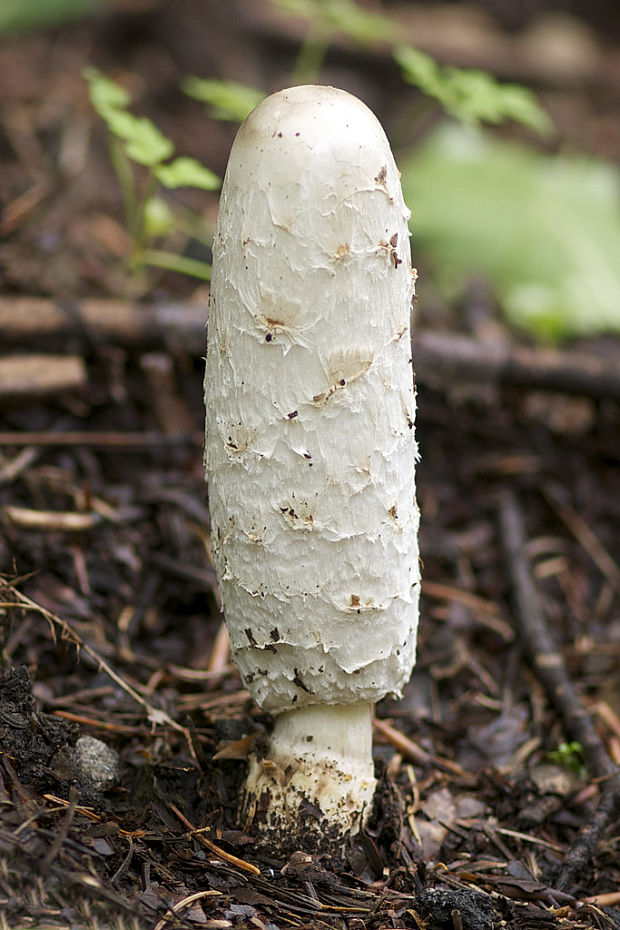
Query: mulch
x=109 y=619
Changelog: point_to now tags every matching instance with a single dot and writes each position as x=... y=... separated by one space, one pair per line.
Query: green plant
x=226 y=100
x=468 y=95
x=142 y=159
x=570 y=756
x=471 y=96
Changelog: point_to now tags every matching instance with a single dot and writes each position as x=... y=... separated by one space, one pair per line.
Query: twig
x=24 y=376
x=11 y=470
x=603 y=900
x=171 y=410
x=440 y=359
x=485 y=612
x=184 y=903
x=96 y=724
x=21 y=206
x=539 y=643
x=31 y=320
x=584 y=846
x=412 y=751
x=220 y=853
x=220 y=653
x=64 y=827
x=402 y=743
x=29 y=519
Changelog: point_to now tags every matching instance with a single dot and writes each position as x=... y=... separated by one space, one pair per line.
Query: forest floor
x=502 y=755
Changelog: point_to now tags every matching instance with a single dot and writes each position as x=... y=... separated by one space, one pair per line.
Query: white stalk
x=310 y=447
x=321 y=754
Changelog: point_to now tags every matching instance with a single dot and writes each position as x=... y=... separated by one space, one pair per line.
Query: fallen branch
x=97 y=321
x=24 y=376
x=539 y=643
x=447 y=358
x=441 y=359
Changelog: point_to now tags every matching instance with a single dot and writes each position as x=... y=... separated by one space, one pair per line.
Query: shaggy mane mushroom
x=310 y=448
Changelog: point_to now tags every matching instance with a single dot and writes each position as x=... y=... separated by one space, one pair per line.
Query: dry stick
x=26 y=518
x=440 y=358
x=412 y=751
x=210 y=845
x=64 y=827
x=449 y=358
x=550 y=667
x=175 y=909
x=25 y=376
x=31 y=320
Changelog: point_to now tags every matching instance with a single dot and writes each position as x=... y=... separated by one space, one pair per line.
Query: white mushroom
x=310 y=448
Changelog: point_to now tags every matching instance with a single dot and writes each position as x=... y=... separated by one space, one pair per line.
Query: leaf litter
x=110 y=628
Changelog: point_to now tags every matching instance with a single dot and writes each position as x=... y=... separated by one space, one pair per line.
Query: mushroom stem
x=318 y=771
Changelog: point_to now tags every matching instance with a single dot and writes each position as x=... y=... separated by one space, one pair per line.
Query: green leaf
x=544 y=230
x=158 y=218
x=148 y=146
x=105 y=94
x=122 y=124
x=570 y=756
x=419 y=69
x=144 y=143
x=471 y=96
x=227 y=100
x=187 y=172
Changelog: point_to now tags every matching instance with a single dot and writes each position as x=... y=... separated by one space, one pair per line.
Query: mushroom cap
x=310 y=448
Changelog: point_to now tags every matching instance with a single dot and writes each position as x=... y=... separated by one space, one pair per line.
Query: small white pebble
x=96 y=762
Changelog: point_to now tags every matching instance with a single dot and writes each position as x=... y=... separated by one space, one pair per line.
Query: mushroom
x=310 y=448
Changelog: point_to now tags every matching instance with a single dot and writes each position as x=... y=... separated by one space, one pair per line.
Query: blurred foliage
x=469 y=95
x=187 y=172
x=25 y=15
x=570 y=756
x=143 y=142
x=136 y=141
x=543 y=230
x=226 y=100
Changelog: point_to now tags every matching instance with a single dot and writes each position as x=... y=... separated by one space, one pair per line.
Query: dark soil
x=109 y=622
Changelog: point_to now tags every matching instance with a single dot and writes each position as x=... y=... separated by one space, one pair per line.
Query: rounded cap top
x=310 y=112
x=310 y=127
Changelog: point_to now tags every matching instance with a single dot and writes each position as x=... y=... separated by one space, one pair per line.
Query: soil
x=109 y=619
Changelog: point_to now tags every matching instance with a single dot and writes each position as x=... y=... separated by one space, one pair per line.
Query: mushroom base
x=314 y=788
